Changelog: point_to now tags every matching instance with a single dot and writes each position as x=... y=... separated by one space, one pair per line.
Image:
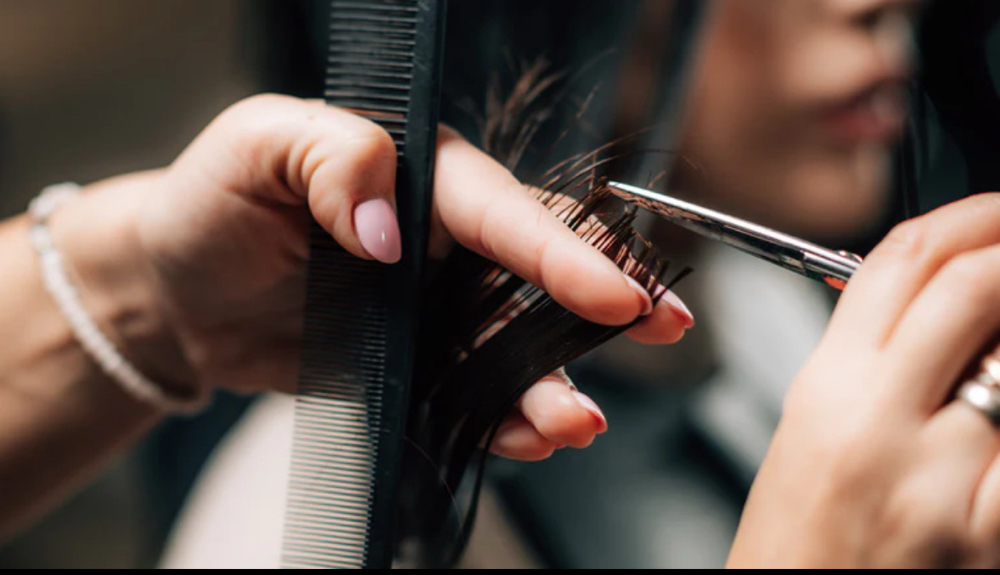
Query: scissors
x=834 y=268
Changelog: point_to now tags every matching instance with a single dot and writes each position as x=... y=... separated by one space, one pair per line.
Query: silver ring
x=983 y=396
x=990 y=367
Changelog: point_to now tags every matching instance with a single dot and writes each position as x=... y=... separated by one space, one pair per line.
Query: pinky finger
x=518 y=439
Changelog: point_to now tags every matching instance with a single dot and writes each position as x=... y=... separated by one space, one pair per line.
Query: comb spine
x=414 y=181
x=361 y=319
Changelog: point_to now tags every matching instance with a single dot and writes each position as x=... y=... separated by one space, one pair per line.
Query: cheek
x=738 y=114
x=731 y=115
x=807 y=190
x=836 y=195
x=752 y=124
x=828 y=65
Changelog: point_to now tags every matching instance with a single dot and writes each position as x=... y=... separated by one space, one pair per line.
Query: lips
x=875 y=115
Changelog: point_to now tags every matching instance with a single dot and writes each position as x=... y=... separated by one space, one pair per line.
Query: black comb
x=384 y=62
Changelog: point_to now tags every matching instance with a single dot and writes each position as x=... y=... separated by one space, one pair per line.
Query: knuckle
x=982 y=201
x=254 y=107
x=360 y=157
x=498 y=221
x=895 y=518
x=252 y=122
x=986 y=548
x=491 y=228
x=856 y=460
x=971 y=278
x=248 y=136
x=944 y=548
x=852 y=467
x=909 y=240
x=549 y=428
x=446 y=132
x=928 y=531
x=370 y=144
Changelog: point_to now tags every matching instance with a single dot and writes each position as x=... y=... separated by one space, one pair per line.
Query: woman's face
x=797 y=107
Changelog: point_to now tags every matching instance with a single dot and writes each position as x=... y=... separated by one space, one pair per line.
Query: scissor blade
x=741 y=234
x=789 y=252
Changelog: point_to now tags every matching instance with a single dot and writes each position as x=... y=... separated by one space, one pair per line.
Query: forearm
x=61 y=418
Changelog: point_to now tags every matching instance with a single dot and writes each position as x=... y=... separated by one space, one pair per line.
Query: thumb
x=279 y=151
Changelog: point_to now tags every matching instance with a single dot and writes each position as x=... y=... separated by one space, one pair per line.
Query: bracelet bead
x=97 y=345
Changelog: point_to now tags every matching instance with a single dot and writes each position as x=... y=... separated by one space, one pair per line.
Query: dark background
x=90 y=88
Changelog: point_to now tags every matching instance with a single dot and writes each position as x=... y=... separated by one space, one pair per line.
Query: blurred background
x=94 y=88
x=89 y=89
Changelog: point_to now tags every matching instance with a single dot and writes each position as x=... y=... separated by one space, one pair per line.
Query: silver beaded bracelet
x=86 y=331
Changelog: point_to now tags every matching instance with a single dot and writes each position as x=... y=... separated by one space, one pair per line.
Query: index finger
x=901 y=266
x=485 y=208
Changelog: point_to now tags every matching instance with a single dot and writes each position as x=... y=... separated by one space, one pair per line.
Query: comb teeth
x=338 y=415
x=342 y=412
x=371 y=60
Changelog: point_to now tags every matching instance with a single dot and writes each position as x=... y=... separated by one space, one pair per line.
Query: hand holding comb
x=384 y=61
x=343 y=486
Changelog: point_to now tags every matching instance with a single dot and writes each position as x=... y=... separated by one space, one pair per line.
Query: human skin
x=796 y=108
x=796 y=111
x=874 y=464
x=196 y=272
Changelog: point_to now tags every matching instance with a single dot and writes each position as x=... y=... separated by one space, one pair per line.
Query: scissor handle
x=834 y=272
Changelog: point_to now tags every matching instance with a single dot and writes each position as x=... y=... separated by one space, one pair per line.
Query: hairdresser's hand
x=874 y=464
x=221 y=236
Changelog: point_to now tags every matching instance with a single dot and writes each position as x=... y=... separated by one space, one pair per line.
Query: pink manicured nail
x=680 y=310
x=590 y=406
x=647 y=302
x=378 y=230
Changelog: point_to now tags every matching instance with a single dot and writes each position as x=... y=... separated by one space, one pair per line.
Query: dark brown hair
x=488 y=335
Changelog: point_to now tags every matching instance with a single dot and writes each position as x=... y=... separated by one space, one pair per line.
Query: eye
x=906 y=12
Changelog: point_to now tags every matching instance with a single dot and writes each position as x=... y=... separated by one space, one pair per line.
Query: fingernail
x=647 y=302
x=561 y=375
x=680 y=310
x=590 y=406
x=378 y=230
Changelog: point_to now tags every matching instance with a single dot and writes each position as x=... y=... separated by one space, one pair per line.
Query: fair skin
x=873 y=463
x=196 y=272
x=796 y=109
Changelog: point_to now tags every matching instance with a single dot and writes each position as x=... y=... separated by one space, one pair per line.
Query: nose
x=894 y=39
x=891 y=25
x=860 y=9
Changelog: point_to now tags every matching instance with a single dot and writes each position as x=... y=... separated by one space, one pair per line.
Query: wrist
x=97 y=236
